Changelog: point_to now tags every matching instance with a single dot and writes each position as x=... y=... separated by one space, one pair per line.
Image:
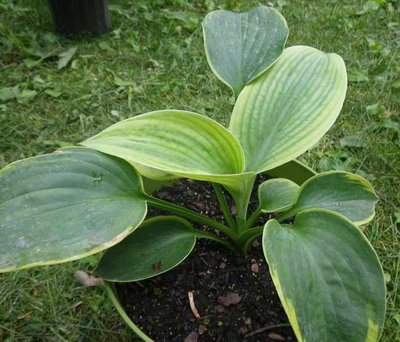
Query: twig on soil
x=192 y=305
x=269 y=327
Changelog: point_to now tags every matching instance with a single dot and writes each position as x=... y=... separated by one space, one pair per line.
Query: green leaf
x=65 y=57
x=358 y=76
x=178 y=143
x=289 y=108
x=277 y=194
x=327 y=276
x=370 y=5
x=342 y=192
x=122 y=83
x=351 y=141
x=240 y=47
x=65 y=206
x=27 y=94
x=9 y=93
x=375 y=109
x=157 y=246
x=294 y=170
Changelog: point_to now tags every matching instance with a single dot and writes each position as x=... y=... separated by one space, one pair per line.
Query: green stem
x=253 y=218
x=191 y=215
x=224 y=205
x=250 y=234
x=242 y=203
x=210 y=236
x=284 y=216
x=110 y=290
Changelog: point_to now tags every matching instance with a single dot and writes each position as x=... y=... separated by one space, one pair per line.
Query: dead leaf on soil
x=254 y=266
x=192 y=337
x=87 y=280
x=276 y=337
x=230 y=299
x=219 y=308
x=243 y=330
x=202 y=329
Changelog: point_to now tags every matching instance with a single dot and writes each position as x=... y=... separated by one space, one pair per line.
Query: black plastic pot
x=75 y=17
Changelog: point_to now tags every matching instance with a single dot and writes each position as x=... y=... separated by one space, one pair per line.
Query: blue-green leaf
x=277 y=194
x=66 y=205
x=327 y=276
x=240 y=47
x=342 y=192
x=158 y=245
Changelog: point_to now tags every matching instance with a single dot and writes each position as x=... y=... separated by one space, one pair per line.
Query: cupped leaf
x=66 y=205
x=179 y=143
x=342 y=192
x=327 y=276
x=290 y=107
x=276 y=195
x=240 y=47
x=154 y=174
x=158 y=245
x=294 y=170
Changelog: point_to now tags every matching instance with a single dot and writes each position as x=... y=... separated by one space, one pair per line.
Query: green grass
x=154 y=59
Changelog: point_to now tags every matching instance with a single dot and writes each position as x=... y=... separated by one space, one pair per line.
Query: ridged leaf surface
x=66 y=205
x=327 y=276
x=176 y=142
x=239 y=47
x=289 y=108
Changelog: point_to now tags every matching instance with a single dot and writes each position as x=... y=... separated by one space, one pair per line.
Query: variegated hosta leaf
x=327 y=276
x=240 y=47
x=290 y=107
x=181 y=143
x=342 y=192
x=155 y=174
x=158 y=245
x=66 y=205
x=277 y=194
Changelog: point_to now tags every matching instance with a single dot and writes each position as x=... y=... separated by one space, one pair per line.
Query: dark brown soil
x=160 y=305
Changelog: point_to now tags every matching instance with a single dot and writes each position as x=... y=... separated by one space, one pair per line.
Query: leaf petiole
x=224 y=206
x=191 y=215
x=210 y=236
x=253 y=218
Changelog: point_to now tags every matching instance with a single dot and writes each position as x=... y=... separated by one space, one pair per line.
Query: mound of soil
x=234 y=298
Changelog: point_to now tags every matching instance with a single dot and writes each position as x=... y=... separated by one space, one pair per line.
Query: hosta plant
x=83 y=200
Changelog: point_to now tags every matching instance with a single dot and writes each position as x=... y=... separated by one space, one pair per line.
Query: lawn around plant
x=56 y=93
